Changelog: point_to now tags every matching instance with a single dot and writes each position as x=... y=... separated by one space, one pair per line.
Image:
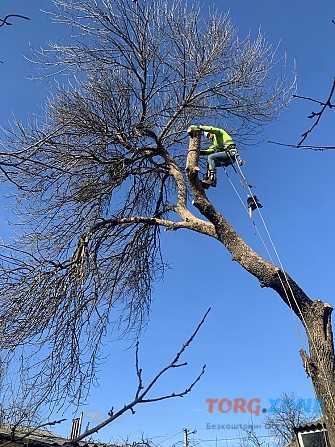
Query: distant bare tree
x=285 y=414
x=249 y=438
x=99 y=177
x=288 y=413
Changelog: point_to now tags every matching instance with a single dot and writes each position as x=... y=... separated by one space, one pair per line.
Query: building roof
x=312 y=434
x=39 y=438
x=311 y=426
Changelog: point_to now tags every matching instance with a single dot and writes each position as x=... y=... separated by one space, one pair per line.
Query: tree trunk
x=314 y=315
x=319 y=365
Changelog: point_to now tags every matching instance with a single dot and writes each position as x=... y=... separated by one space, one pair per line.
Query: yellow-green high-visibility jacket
x=221 y=139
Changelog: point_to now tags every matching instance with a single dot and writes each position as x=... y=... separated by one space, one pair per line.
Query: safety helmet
x=207 y=134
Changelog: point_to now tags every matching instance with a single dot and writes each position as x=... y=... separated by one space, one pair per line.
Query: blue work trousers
x=218 y=159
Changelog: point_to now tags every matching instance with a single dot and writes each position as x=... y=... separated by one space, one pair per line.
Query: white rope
x=252 y=220
x=268 y=251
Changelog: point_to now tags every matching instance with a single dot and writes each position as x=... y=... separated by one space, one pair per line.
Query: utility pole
x=185 y=437
x=186 y=433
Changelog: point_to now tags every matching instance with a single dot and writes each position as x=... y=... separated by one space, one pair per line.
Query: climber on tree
x=222 y=152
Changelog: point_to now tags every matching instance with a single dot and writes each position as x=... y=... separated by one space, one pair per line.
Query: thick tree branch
x=109 y=224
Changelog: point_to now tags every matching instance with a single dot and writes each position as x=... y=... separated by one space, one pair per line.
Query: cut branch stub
x=193 y=154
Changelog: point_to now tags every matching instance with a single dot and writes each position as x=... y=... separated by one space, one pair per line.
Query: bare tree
x=249 y=438
x=97 y=179
x=286 y=414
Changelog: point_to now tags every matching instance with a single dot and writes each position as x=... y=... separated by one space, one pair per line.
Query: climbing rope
x=266 y=246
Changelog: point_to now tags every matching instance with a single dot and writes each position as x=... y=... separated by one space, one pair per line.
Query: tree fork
x=315 y=315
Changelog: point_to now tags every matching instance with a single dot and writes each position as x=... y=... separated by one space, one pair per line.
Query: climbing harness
x=231 y=150
x=209 y=178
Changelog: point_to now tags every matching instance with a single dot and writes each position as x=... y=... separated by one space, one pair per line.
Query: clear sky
x=250 y=341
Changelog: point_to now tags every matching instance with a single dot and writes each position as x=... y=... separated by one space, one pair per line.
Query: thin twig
x=4 y=21
x=319 y=114
x=138 y=372
x=306 y=147
x=140 y=396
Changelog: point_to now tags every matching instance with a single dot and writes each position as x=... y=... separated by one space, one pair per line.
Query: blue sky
x=250 y=341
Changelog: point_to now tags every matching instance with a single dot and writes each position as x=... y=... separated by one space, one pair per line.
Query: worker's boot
x=210 y=179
